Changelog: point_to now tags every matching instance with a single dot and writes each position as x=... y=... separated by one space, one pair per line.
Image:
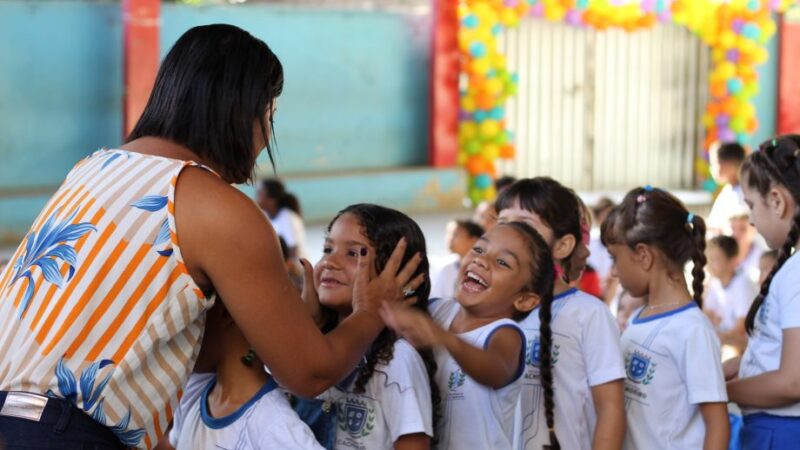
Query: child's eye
x=327 y=250
x=477 y=250
x=503 y=263
x=352 y=253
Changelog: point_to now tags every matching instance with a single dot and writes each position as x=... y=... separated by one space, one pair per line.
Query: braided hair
x=656 y=217
x=541 y=283
x=384 y=227
x=776 y=163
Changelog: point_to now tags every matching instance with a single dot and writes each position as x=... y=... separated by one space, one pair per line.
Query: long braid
x=783 y=255
x=698 y=229
x=776 y=163
x=546 y=368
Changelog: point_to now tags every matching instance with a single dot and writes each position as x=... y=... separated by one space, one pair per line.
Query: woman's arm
x=229 y=247
x=495 y=366
x=416 y=441
x=718 y=432
x=609 y=405
x=773 y=389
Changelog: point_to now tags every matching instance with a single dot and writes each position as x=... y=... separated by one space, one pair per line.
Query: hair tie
x=774 y=144
x=690 y=218
x=641 y=198
x=648 y=188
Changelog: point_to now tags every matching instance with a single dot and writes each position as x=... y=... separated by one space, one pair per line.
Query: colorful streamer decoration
x=735 y=30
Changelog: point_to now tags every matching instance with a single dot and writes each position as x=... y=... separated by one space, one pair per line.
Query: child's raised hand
x=414 y=326
x=372 y=289
x=309 y=294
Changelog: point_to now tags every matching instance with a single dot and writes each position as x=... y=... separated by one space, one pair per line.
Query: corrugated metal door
x=606 y=110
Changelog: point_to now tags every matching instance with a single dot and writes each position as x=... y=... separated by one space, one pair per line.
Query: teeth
x=477 y=279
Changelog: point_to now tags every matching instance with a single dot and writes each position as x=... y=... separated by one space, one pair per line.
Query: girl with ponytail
x=674 y=391
x=768 y=384
x=572 y=393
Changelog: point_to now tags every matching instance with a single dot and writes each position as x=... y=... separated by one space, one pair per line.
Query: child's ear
x=526 y=301
x=778 y=201
x=643 y=254
x=564 y=246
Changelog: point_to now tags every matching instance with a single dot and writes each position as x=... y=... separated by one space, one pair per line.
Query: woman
x=102 y=309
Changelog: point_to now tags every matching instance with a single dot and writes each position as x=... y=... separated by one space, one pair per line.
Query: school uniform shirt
x=396 y=401
x=731 y=302
x=443 y=283
x=473 y=416
x=585 y=353
x=673 y=364
x=266 y=421
x=780 y=311
x=729 y=203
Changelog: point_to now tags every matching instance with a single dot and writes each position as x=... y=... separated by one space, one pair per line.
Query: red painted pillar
x=789 y=74
x=141 y=24
x=444 y=98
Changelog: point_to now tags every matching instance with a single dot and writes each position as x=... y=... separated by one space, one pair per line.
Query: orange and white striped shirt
x=97 y=306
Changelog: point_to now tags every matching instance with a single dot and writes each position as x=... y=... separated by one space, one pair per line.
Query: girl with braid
x=479 y=348
x=768 y=384
x=674 y=392
x=586 y=364
x=389 y=400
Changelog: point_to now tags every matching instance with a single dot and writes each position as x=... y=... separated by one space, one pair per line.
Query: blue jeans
x=62 y=426
x=763 y=431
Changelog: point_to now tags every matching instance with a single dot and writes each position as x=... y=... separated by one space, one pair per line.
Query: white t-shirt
x=673 y=364
x=285 y=224
x=586 y=353
x=265 y=422
x=750 y=263
x=730 y=302
x=473 y=416
x=443 y=283
x=396 y=401
x=599 y=258
x=729 y=202
x=780 y=311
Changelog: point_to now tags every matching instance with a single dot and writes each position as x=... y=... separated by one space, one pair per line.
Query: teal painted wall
x=355 y=97
x=356 y=86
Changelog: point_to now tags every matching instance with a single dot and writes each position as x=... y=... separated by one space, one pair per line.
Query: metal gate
x=606 y=110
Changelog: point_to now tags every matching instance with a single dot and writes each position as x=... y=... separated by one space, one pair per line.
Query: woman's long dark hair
x=214 y=84
x=776 y=163
x=384 y=227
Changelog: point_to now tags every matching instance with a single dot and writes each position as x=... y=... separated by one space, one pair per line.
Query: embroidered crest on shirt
x=639 y=367
x=533 y=355
x=356 y=418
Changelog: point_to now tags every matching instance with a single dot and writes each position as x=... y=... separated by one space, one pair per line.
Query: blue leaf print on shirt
x=91 y=397
x=151 y=203
x=154 y=203
x=45 y=249
x=110 y=159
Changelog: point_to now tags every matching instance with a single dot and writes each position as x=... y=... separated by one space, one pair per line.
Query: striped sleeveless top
x=97 y=306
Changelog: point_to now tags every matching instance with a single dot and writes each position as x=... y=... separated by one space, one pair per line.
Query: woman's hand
x=309 y=294
x=371 y=290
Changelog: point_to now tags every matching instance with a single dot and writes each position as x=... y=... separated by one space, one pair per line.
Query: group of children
x=516 y=356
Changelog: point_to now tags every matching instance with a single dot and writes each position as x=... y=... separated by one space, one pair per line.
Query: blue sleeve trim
x=521 y=366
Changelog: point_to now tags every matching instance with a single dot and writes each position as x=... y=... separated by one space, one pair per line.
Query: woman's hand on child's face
x=414 y=326
x=309 y=294
x=371 y=289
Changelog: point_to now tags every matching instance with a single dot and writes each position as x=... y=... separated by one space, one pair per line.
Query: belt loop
x=63 y=418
